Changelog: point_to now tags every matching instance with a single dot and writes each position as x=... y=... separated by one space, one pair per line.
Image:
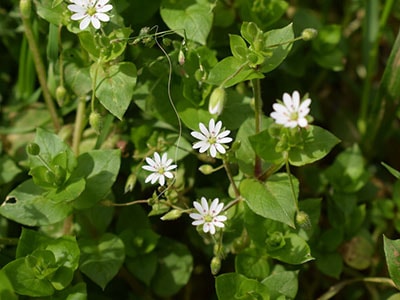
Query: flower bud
x=60 y=94
x=95 y=121
x=215 y=265
x=303 y=220
x=206 y=169
x=309 y=34
x=130 y=183
x=181 y=57
x=217 y=100
x=172 y=215
x=33 y=149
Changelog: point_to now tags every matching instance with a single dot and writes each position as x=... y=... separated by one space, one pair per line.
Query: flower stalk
x=39 y=65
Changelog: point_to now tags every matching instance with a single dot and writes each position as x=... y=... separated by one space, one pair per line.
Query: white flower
x=211 y=138
x=90 y=11
x=208 y=216
x=291 y=113
x=160 y=166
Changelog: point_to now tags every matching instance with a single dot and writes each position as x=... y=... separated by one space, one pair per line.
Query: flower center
x=161 y=170
x=208 y=218
x=91 y=11
x=212 y=140
x=294 y=116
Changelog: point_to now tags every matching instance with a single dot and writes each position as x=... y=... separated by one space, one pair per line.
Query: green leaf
x=28 y=205
x=8 y=169
x=230 y=71
x=24 y=280
x=78 y=78
x=392 y=253
x=238 y=47
x=115 y=86
x=245 y=154
x=348 y=173
x=273 y=200
x=252 y=263
x=277 y=45
x=76 y=292
x=392 y=171
x=237 y=286
x=174 y=268
x=100 y=168
x=51 y=145
x=143 y=267
x=52 y=13
x=102 y=259
x=282 y=282
x=330 y=264
x=6 y=289
x=139 y=241
x=295 y=251
x=317 y=142
x=187 y=18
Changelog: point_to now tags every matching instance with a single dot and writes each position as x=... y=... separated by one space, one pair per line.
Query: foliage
x=232 y=204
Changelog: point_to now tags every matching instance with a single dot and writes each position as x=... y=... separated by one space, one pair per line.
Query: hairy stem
x=335 y=289
x=258 y=116
x=40 y=69
x=79 y=124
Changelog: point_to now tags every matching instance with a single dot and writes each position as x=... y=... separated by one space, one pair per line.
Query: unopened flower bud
x=130 y=183
x=206 y=169
x=60 y=94
x=172 y=215
x=217 y=101
x=33 y=149
x=308 y=34
x=303 y=220
x=95 y=121
x=215 y=265
x=181 y=57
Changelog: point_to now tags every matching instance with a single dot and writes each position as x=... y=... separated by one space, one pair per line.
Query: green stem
x=291 y=182
x=40 y=69
x=232 y=181
x=335 y=289
x=258 y=121
x=79 y=124
x=9 y=241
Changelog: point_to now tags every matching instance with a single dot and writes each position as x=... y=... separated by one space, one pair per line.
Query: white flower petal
x=84 y=23
x=206 y=227
x=219 y=148
x=204 y=204
x=204 y=130
x=102 y=17
x=225 y=140
x=199 y=208
x=212 y=228
x=198 y=135
x=302 y=122
x=218 y=224
x=213 y=151
x=196 y=216
x=198 y=222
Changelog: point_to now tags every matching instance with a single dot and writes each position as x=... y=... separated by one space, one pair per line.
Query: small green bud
x=215 y=265
x=217 y=101
x=25 y=8
x=130 y=183
x=172 y=215
x=303 y=220
x=236 y=145
x=181 y=57
x=95 y=121
x=275 y=241
x=60 y=94
x=33 y=149
x=206 y=169
x=309 y=34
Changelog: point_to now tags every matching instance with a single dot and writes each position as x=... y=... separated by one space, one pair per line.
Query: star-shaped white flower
x=90 y=11
x=291 y=112
x=211 y=138
x=208 y=216
x=160 y=167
